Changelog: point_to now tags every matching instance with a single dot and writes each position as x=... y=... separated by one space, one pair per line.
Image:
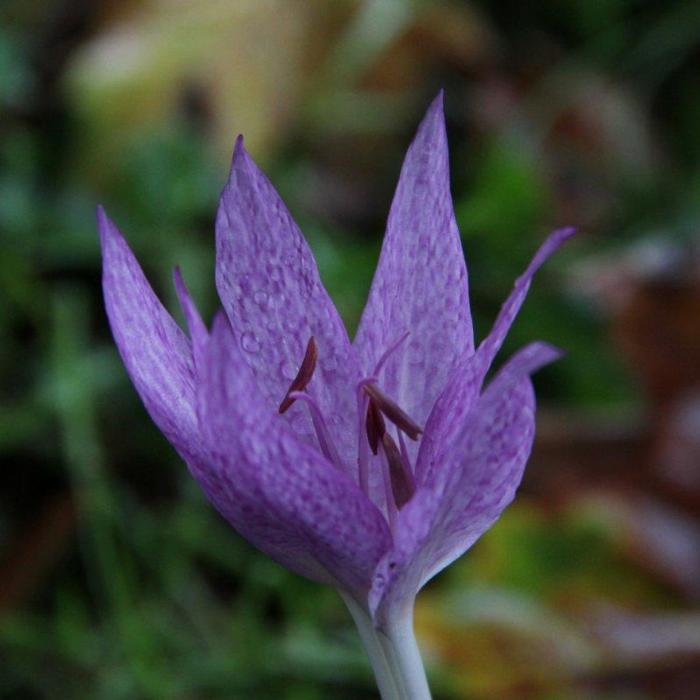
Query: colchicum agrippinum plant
x=370 y=465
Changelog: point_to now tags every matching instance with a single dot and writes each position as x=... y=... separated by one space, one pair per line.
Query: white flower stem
x=375 y=650
x=404 y=658
x=393 y=653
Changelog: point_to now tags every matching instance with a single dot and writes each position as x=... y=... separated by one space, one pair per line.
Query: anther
x=304 y=375
x=402 y=484
x=375 y=426
x=393 y=412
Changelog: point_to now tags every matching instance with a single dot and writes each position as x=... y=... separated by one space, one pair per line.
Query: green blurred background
x=117 y=580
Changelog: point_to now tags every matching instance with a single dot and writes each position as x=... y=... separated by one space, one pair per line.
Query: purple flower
x=368 y=465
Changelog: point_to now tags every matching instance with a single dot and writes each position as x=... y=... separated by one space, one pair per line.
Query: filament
x=320 y=427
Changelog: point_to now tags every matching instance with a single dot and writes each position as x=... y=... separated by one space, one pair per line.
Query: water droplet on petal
x=260 y=298
x=249 y=342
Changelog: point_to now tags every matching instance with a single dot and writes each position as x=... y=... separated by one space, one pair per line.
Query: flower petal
x=477 y=478
x=195 y=325
x=156 y=353
x=492 y=343
x=277 y=491
x=420 y=284
x=464 y=386
x=269 y=286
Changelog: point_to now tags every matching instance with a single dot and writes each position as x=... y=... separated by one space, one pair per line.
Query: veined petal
x=269 y=286
x=477 y=478
x=420 y=285
x=492 y=343
x=156 y=353
x=276 y=490
x=463 y=388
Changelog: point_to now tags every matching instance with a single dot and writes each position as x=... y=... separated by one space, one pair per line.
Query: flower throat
x=374 y=406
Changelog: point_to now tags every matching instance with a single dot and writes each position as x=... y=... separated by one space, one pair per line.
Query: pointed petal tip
x=183 y=294
x=239 y=150
x=546 y=352
x=435 y=114
x=195 y=325
x=551 y=244
x=239 y=155
x=179 y=281
x=104 y=225
x=438 y=102
x=529 y=359
x=241 y=162
x=111 y=239
x=559 y=236
x=555 y=239
x=564 y=233
x=431 y=130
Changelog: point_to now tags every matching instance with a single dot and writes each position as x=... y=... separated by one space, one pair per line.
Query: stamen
x=362 y=444
x=405 y=456
x=322 y=433
x=371 y=428
x=375 y=426
x=391 y=509
x=306 y=371
x=402 y=484
x=393 y=412
x=390 y=350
